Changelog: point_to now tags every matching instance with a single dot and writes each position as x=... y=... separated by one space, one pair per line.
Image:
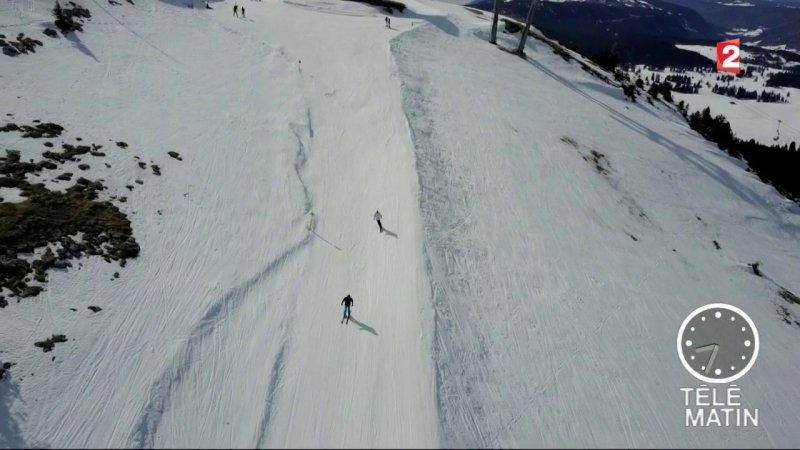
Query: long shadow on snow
x=440 y=22
x=710 y=169
x=76 y=42
x=150 y=418
x=363 y=326
x=132 y=31
x=327 y=241
x=390 y=233
x=613 y=91
x=10 y=433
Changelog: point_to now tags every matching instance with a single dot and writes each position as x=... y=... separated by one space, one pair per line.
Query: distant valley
x=647 y=31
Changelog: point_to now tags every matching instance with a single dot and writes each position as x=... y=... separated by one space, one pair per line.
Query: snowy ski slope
x=519 y=298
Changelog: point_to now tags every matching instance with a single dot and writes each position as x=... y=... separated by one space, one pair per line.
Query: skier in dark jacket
x=377 y=216
x=235 y=10
x=347 y=302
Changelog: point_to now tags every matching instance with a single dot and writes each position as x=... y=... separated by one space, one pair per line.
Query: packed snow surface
x=545 y=238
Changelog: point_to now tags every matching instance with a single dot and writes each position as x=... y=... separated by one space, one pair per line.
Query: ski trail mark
x=162 y=389
x=301 y=158
x=461 y=420
x=276 y=380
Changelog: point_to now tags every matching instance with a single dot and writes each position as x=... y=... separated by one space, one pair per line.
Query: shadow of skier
x=390 y=233
x=363 y=326
x=327 y=241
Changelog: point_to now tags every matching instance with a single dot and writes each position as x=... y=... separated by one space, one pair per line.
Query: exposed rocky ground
x=49 y=229
x=48 y=344
x=5 y=368
x=68 y=19
x=22 y=44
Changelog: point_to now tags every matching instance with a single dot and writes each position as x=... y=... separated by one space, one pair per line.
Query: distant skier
x=235 y=10
x=243 y=12
x=378 y=218
x=347 y=302
x=208 y=6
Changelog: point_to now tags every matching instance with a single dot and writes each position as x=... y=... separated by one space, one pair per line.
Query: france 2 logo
x=728 y=56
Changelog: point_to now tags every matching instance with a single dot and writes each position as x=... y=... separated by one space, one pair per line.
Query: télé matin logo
x=728 y=56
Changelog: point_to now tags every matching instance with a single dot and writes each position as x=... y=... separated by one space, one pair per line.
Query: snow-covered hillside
x=629 y=3
x=545 y=238
x=767 y=123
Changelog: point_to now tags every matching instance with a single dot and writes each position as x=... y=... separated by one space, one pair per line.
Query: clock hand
x=714 y=349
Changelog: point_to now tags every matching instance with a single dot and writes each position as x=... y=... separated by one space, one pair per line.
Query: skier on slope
x=235 y=10
x=348 y=303
x=243 y=11
x=378 y=218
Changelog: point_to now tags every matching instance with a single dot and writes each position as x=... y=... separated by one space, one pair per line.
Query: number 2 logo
x=728 y=56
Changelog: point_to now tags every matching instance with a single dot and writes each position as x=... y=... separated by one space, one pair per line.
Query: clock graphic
x=718 y=343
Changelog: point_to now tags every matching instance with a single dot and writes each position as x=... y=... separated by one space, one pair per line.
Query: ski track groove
x=300 y=162
x=439 y=221
x=276 y=380
x=276 y=374
x=147 y=425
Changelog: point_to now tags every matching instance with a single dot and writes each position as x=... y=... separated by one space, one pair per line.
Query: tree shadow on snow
x=76 y=42
x=712 y=170
x=363 y=326
x=10 y=433
x=440 y=22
